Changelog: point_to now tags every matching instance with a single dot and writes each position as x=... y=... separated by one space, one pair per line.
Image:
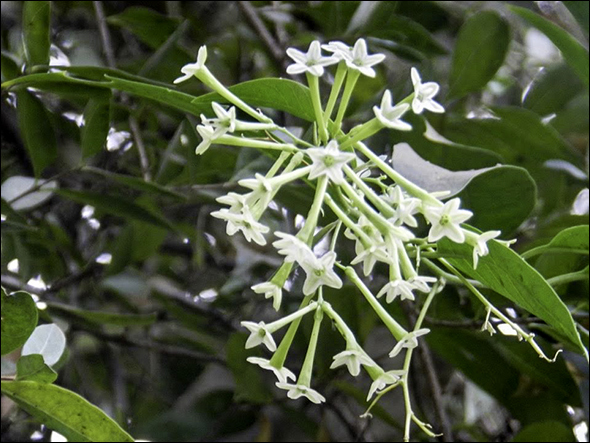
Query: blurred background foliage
x=121 y=253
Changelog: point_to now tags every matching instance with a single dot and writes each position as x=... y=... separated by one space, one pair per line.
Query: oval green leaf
x=65 y=412
x=19 y=318
x=33 y=368
x=480 y=50
x=36 y=18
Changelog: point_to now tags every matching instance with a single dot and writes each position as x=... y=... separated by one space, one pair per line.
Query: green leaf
x=574 y=240
x=9 y=67
x=117 y=205
x=501 y=197
x=104 y=318
x=580 y=11
x=517 y=134
x=249 y=384
x=64 y=412
x=549 y=431
x=36 y=18
x=33 y=368
x=551 y=89
x=148 y=25
x=136 y=183
x=480 y=50
x=48 y=341
x=96 y=125
x=36 y=130
x=17 y=185
x=573 y=52
x=19 y=318
x=504 y=271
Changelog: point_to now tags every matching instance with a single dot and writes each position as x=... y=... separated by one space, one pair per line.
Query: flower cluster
x=391 y=220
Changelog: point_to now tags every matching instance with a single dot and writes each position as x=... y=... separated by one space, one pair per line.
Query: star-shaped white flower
x=384 y=380
x=234 y=200
x=424 y=94
x=270 y=290
x=396 y=288
x=320 y=271
x=259 y=334
x=283 y=374
x=245 y=222
x=410 y=341
x=328 y=161
x=369 y=256
x=313 y=61
x=446 y=221
x=296 y=391
x=359 y=60
x=353 y=361
x=405 y=207
x=292 y=248
x=209 y=134
x=224 y=119
x=481 y=247
x=262 y=186
x=389 y=115
x=193 y=68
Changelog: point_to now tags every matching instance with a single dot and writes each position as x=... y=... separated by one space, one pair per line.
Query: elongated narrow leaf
x=104 y=318
x=149 y=26
x=96 y=125
x=19 y=318
x=504 y=271
x=480 y=50
x=117 y=205
x=33 y=368
x=36 y=130
x=573 y=52
x=36 y=18
x=65 y=412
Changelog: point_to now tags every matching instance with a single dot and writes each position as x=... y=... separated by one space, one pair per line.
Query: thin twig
x=105 y=35
x=437 y=400
x=477 y=324
x=143 y=158
x=267 y=38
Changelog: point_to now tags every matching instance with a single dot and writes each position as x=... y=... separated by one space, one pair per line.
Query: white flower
x=320 y=272
x=292 y=248
x=389 y=115
x=258 y=184
x=420 y=283
x=446 y=221
x=358 y=59
x=395 y=288
x=410 y=341
x=283 y=374
x=234 y=200
x=385 y=379
x=209 y=134
x=423 y=95
x=225 y=119
x=312 y=61
x=328 y=161
x=192 y=68
x=353 y=361
x=340 y=50
x=259 y=334
x=245 y=222
x=270 y=290
x=480 y=249
x=369 y=256
x=296 y=391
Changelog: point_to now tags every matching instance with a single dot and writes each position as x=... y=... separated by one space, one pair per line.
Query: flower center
x=444 y=220
x=262 y=332
x=329 y=161
x=319 y=272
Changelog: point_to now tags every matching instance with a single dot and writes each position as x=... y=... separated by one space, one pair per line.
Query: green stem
x=277 y=164
x=276 y=325
x=306 y=234
x=280 y=355
x=350 y=84
x=394 y=327
x=358 y=232
x=306 y=369
x=361 y=133
x=254 y=143
x=369 y=193
x=568 y=278
x=336 y=87
x=314 y=89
